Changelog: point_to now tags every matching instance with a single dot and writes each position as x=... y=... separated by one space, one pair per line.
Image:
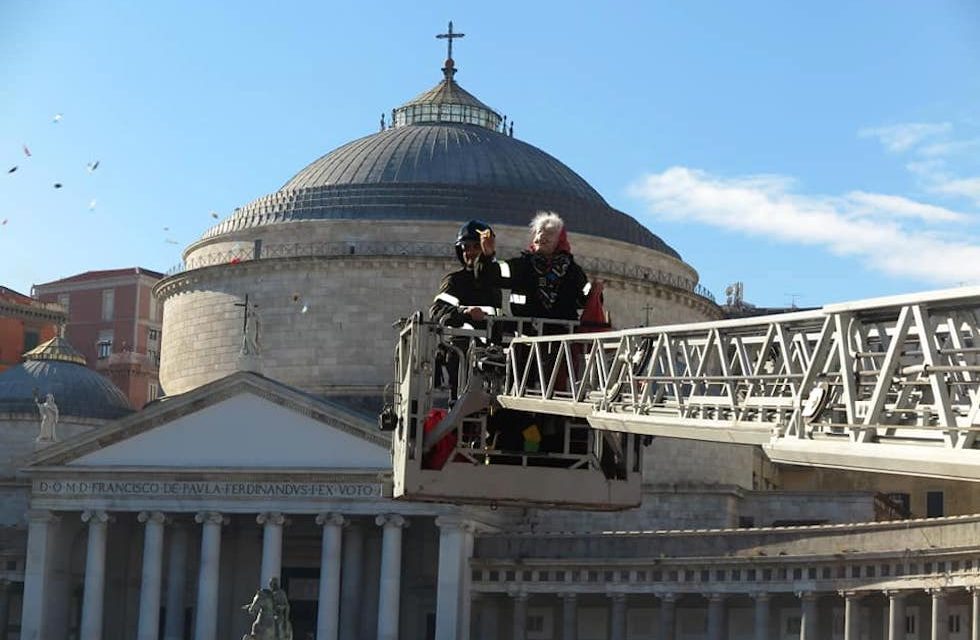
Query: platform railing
x=903 y=370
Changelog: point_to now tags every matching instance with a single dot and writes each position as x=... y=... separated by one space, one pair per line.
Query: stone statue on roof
x=49 y=418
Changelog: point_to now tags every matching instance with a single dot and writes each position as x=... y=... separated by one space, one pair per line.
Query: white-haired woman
x=545 y=274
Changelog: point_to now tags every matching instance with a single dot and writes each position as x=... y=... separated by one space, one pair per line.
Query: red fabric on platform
x=436 y=458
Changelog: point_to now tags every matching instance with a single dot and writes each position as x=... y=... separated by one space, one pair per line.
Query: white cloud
x=864 y=203
x=854 y=224
x=904 y=136
x=965 y=187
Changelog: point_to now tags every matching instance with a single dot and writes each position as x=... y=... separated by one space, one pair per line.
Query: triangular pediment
x=244 y=421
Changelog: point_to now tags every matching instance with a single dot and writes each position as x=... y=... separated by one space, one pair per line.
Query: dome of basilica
x=446 y=157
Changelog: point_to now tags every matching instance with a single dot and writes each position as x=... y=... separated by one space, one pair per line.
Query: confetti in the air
x=166 y=228
x=58 y=185
x=170 y=241
x=92 y=166
x=235 y=260
x=57 y=118
x=12 y=169
x=297 y=297
x=4 y=223
x=304 y=309
x=91 y=205
x=27 y=152
x=214 y=215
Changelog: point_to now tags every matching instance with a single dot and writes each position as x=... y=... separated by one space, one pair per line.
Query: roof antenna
x=504 y=129
x=511 y=128
x=382 y=121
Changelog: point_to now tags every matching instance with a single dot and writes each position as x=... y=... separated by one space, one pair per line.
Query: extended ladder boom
x=886 y=384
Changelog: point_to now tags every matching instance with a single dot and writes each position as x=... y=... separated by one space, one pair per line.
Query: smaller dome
x=56 y=367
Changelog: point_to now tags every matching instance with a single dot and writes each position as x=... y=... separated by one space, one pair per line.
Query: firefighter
x=462 y=297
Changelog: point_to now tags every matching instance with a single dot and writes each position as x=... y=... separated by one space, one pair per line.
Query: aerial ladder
x=887 y=385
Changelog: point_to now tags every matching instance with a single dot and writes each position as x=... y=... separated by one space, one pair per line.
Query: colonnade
x=810 y=626
x=337 y=556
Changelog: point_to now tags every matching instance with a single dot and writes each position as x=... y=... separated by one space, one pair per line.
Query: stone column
x=149 y=612
x=389 y=595
x=40 y=525
x=351 y=576
x=569 y=618
x=489 y=617
x=206 y=613
x=852 y=615
x=519 y=631
x=328 y=610
x=896 y=614
x=271 y=546
x=173 y=626
x=940 y=626
x=975 y=612
x=93 y=596
x=617 y=618
x=808 y=610
x=716 y=615
x=761 y=616
x=466 y=593
x=4 y=608
x=668 y=622
x=450 y=585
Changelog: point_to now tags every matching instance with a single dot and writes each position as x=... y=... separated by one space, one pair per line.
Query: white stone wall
x=345 y=338
x=676 y=461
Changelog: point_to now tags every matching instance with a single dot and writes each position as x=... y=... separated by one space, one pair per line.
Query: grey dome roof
x=78 y=391
x=442 y=172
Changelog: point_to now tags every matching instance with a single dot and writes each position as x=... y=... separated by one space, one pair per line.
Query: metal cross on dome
x=449 y=36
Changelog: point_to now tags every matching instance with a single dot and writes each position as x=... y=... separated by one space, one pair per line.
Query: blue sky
x=816 y=151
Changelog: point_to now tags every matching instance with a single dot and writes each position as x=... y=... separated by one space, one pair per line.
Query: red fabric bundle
x=437 y=456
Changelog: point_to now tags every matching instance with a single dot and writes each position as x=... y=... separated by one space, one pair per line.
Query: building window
x=31 y=340
x=154 y=356
x=910 y=623
x=954 y=623
x=934 y=504
x=152 y=335
x=65 y=301
x=152 y=391
x=108 y=303
x=539 y=624
x=104 y=348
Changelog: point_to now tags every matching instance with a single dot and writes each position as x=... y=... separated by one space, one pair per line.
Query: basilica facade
x=264 y=460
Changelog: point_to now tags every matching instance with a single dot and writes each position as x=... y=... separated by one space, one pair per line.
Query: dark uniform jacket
x=461 y=289
x=540 y=287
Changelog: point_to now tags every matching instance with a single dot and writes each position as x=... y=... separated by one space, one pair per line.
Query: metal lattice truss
x=887 y=384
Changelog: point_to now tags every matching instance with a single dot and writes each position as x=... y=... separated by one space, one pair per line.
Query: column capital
x=391 y=520
x=616 y=596
x=937 y=592
x=568 y=595
x=849 y=595
x=210 y=517
x=806 y=595
x=455 y=522
x=156 y=517
x=714 y=596
x=894 y=594
x=41 y=516
x=973 y=588
x=518 y=594
x=95 y=516
x=764 y=596
x=273 y=518
x=332 y=519
x=670 y=598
